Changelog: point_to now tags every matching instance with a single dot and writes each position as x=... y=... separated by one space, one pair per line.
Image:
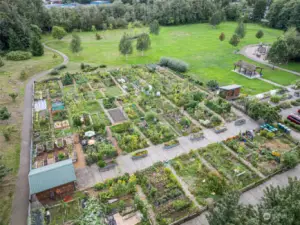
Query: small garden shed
x=54 y=181
x=230 y=91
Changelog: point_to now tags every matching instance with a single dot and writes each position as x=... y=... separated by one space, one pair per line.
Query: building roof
x=50 y=176
x=230 y=87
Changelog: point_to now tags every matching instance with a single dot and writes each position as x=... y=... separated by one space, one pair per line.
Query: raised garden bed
x=171 y=144
x=139 y=154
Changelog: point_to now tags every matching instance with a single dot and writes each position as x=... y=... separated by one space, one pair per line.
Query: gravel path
x=21 y=198
x=249 y=50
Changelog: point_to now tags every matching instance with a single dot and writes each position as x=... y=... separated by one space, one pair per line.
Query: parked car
x=294 y=119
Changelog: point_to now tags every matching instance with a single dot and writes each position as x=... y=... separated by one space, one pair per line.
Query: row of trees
x=278 y=206
x=20 y=25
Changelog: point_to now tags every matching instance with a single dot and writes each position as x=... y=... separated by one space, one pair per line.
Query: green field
x=197 y=44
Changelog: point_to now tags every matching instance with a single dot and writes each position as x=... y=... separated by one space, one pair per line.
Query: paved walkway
x=20 y=203
x=271 y=82
x=89 y=176
x=249 y=52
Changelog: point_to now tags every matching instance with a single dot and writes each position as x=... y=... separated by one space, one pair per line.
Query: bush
x=174 y=64
x=82 y=66
x=102 y=66
x=263 y=133
x=290 y=159
x=98 y=36
x=54 y=72
x=58 y=32
x=99 y=186
x=293 y=125
x=270 y=135
x=23 y=75
x=180 y=205
x=101 y=163
x=18 y=55
x=61 y=67
x=275 y=98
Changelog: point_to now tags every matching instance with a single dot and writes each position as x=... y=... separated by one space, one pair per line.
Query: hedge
x=18 y=55
x=174 y=64
x=293 y=125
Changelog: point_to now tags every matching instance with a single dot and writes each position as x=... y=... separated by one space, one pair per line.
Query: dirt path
x=21 y=198
x=144 y=199
x=80 y=163
x=185 y=188
x=113 y=140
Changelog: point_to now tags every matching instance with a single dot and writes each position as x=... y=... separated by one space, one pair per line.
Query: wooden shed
x=230 y=92
x=53 y=181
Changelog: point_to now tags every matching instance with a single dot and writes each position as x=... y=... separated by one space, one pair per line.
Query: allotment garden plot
x=265 y=151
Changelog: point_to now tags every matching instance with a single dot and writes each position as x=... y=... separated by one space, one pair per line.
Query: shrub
x=82 y=66
x=23 y=75
x=285 y=105
x=180 y=205
x=290 y=159
x=61 y=67
x=212 y=85
x=54 y=72
x=270 y=135
x=98 y=36
x=174 y=64
x=293 y=125
x=18 y=55
x=275 y=98
x=58 y=32
x=99 y=186
x=102 y=66
x=101 y=163
x=263 y=133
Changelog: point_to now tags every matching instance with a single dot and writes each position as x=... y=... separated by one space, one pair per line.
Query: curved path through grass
x=21 y=198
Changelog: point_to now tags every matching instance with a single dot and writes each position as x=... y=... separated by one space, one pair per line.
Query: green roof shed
x=50 y=176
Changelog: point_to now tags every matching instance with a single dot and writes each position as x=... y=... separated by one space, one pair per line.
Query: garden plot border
x=118 y=115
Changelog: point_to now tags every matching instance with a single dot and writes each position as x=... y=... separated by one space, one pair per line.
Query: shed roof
x=50 y=176
x=230 y=87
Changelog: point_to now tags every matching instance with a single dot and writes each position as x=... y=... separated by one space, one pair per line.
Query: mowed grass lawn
x=197 y=44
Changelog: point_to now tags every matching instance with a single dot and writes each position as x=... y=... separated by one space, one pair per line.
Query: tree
x=279 y=205
x=235 y=40
x=216 y=19
x=75 y=44
x=228 y=211
x=241 y=30
x=222 y=37
x=143 y=43
x=14 y=41
x=37 y=48
x=278 y=52
x=36 y=31
x=13 y=96
x=58 y=32
x=154 y=27
x=259 y=10
x=125 y=46
x=259 y=34
x=4 y=114
x=1 y=62
x=7 y=132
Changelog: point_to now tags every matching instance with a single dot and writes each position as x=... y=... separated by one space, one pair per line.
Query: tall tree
x=278 y=52
x=216 y=18
x=143 y=43
x=14 y=41
x=58 y=32
x=259 y=34
x=154 y=27
x=259 y=10
x=125 y=46
x=37 y=48
x=234 y=40
x=75 y=44
x=241 y=30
